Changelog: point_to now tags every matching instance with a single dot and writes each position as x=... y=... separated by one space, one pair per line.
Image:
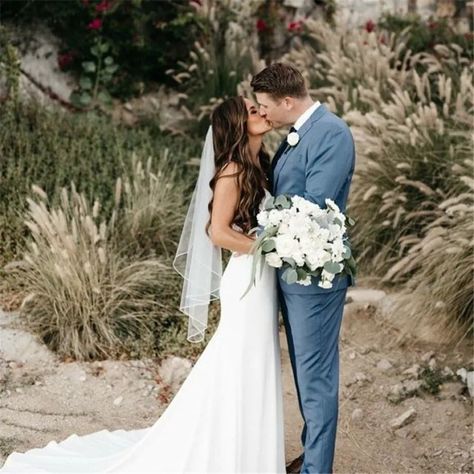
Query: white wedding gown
x=227 y=417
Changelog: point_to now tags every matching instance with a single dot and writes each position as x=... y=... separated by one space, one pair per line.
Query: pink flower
x=261 y=25
x=103 y=6
x=95 y=24
x=370 y=26
x=295 y=26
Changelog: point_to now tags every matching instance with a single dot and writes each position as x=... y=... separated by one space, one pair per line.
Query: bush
x=146 y=37
x=52 y=148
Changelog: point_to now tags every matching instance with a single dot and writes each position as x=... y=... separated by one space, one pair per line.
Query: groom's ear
x=289 y=103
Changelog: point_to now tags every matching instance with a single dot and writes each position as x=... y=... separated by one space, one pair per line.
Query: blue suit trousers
x=312 y=324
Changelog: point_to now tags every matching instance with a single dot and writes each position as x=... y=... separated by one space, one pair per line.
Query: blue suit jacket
x=319 y=166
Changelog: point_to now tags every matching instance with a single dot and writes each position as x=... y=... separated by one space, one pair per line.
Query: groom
x=317 y=163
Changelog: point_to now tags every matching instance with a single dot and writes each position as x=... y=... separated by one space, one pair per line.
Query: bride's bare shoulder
x=230 y=168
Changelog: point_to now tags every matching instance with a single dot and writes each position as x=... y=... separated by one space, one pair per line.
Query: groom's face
x=276 y=111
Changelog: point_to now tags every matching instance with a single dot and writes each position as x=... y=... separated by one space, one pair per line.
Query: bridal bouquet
x=303 y=239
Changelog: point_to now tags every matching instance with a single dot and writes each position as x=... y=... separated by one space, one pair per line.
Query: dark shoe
x=294 y=467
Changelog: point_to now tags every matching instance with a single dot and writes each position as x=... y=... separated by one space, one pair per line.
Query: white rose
x=274 y=217
x=293 y=138
x=286 y=246
x=262 y=218
x=273 y=260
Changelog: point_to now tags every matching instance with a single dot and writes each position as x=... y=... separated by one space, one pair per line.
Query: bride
x=227 y=417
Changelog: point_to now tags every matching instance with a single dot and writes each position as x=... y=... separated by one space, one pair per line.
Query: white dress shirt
x=306 y=115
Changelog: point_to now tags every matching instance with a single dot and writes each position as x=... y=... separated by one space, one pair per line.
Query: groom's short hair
x=280 y=80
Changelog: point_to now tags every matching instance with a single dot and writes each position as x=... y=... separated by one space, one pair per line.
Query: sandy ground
x=42 y=399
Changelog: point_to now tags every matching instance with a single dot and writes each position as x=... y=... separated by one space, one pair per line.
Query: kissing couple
x=227 y=416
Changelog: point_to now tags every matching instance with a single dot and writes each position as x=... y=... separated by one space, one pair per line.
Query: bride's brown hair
x=231 y=143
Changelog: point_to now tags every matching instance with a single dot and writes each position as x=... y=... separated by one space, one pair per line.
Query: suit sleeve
x=328 y=169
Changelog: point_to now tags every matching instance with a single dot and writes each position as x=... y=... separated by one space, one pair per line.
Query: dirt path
x=43 y=400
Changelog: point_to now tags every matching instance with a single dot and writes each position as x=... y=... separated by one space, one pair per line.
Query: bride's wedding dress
x=227 y=417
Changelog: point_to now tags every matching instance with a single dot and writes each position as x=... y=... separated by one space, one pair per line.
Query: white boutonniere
x=293 y=138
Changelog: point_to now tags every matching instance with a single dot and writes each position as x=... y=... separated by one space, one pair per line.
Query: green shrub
x=146 y=37
x=52 y=148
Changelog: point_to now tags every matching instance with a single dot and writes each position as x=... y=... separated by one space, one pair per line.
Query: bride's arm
x=226 y=200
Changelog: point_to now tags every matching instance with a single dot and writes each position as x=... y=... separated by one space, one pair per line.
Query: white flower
x=274 y=217
x=262 y=218
x=273 y=260
x=286 y=245
x=325 y=275
x=293 y=138
x=306 y=281
x=325 y=284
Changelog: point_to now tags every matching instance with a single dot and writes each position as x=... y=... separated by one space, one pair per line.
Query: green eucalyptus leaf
x=108 y=60
x=290 y=276
x=346 y=252
x=302 y=274
x=333 y=267
x=268 y=245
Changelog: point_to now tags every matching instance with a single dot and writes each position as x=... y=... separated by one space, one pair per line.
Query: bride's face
x=256 y=124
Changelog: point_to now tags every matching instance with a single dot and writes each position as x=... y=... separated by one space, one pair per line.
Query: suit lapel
x=317 y=114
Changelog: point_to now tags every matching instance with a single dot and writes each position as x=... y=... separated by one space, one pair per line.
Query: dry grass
x=87 y=295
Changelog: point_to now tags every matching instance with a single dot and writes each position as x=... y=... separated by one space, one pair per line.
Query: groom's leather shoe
x=294 y=467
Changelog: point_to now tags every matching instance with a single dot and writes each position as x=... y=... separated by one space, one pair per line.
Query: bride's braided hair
x=229 y=129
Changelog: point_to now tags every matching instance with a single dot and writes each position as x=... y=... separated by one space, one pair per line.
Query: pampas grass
x=90 y=293
x=411 y=196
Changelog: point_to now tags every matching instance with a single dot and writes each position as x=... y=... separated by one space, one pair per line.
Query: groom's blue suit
x=319 y=166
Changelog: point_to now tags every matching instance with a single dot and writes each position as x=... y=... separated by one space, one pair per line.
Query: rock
x=413 y=371
x=404 y=419
x=352 y=355
x=357 y=414
x=447 y=372
x=118 y=401
x=406 y=389
x=384 y=365
x=470 y=383
x=427 y=356
x=21 y=346
x=432 y=363
x=463 y=374
x=359 y=377
x=174 y=370
x=365 y=295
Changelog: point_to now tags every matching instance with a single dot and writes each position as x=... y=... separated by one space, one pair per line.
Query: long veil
x=197 y=259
